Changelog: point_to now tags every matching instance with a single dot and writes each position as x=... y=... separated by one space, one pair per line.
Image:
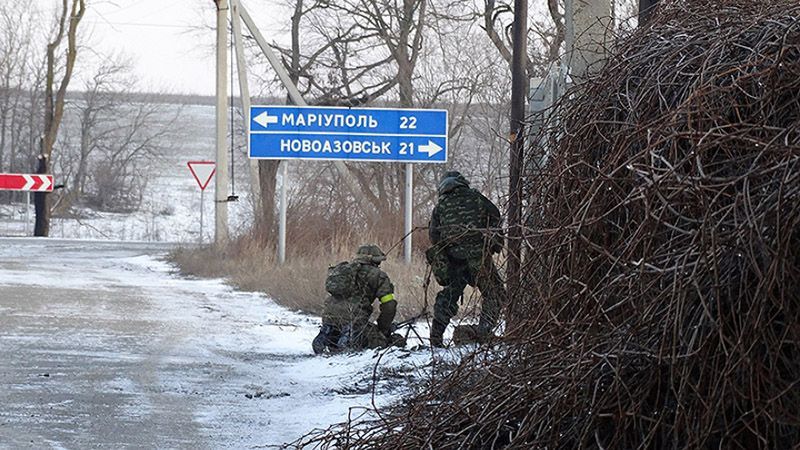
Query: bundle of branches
x=661 y=304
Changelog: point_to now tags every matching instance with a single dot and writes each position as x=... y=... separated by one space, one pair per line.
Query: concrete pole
x=221 y=181
x=590 y=36
x=409 y=213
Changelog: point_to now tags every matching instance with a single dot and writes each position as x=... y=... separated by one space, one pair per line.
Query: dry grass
x=299 y=283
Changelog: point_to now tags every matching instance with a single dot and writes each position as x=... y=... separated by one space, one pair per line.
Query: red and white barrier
x=26 y=182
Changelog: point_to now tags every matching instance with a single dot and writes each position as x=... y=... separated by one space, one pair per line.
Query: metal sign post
x=409 y=213
x=283 y=208
x=202 y=171
x=27 y=212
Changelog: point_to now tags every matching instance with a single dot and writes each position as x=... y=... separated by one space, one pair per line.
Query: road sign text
x=363 y=134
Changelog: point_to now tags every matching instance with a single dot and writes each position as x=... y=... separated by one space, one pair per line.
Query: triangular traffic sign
x=202 y=172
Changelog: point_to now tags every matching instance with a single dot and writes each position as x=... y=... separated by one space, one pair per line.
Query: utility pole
x=519 y=91
x=221 y=181
x=587 y=36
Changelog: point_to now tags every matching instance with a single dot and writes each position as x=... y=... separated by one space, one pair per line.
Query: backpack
x=341 y=281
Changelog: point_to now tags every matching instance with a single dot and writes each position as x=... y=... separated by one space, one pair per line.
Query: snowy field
x=170 y=210
x=103 y=345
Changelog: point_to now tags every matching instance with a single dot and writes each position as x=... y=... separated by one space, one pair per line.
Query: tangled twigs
x=661 y=299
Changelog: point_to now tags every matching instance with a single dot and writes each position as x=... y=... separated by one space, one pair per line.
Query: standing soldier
x=354 y=286
x=462 y=253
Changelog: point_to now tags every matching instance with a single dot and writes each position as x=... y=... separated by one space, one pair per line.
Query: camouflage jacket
x=373 y=283
x=461 y=217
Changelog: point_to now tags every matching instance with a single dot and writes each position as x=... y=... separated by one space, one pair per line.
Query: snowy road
x=101 y=345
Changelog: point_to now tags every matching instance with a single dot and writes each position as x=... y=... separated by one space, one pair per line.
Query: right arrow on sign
x=264 y=119
x=430 y=148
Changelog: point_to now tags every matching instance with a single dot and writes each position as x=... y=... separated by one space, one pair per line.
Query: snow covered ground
x=103 y=345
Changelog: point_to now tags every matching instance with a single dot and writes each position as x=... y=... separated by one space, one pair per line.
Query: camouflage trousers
x=472 y=267
x=349 y=327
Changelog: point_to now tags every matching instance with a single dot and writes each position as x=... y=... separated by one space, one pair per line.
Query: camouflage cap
x=451 y=180
x=371 y=252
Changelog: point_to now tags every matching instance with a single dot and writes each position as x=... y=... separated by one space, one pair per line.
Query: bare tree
x=360 y=50
x=118 y=135
x=545 y=33
x=132 y=140
x=410 y=53
x=18 y=79
x=98 y=109
x=12 y=49
x=68 y=22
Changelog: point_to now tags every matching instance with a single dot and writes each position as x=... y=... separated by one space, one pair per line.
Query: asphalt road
x=100 y=347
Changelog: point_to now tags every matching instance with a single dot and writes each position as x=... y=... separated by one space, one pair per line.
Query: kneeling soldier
x=354 y=286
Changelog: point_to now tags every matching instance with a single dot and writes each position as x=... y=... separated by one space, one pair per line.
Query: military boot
x=437 y=334
x=352 y=337
x=324 y=339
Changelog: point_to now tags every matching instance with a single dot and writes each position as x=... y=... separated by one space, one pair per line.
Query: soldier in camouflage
x=345 y=319
x=462 y=253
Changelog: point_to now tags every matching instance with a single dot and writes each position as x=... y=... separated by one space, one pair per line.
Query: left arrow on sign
x=264 y=119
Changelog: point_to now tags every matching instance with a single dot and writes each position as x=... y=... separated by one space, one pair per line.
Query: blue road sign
x=353 y=134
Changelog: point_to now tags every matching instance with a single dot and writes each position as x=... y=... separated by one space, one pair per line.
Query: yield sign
x=202 y=172
x=26 y=182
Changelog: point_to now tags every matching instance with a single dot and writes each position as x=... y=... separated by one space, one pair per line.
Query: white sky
x=170 y=41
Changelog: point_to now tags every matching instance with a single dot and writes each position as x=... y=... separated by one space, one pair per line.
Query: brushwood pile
x=660 y=302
